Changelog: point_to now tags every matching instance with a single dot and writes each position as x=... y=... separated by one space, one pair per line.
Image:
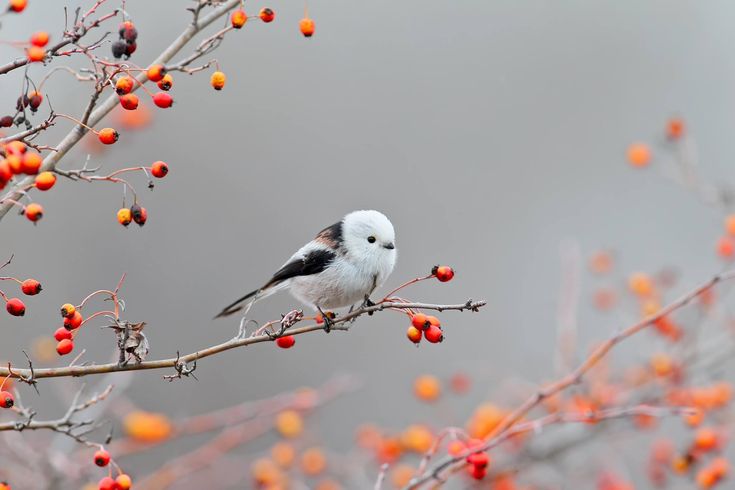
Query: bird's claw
x=368 y=303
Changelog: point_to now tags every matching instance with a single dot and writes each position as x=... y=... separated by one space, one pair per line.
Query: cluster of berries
x=65 y=335
x=19 y=160
x=427 y=326
x=122 y=482
x=15 y=306
x=126 y=45
x=36 y=50
x=477 y=463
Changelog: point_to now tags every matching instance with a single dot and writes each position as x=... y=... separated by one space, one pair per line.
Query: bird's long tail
x=241 y=303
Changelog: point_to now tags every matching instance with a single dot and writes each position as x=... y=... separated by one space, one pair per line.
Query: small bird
x=340 y=267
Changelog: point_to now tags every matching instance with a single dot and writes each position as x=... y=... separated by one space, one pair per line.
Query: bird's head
x=369 y=235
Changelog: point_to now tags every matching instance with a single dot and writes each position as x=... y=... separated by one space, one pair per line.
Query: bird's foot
x=327 y=318
x=368 y=303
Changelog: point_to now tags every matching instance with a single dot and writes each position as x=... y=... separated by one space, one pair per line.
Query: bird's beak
x=389 y=246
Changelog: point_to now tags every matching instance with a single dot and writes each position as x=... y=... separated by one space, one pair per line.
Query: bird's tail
x=241 y=303
x=250 y=298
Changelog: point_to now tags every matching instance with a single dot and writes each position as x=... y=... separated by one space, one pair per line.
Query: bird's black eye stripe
x=371 y=239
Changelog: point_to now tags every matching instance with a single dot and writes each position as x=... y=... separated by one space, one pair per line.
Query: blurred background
x=493 y=134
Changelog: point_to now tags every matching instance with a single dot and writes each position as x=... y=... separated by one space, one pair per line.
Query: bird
x=340 y=267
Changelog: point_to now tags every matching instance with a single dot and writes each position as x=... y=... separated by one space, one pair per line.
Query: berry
x=15 y=163
x=31 y=163
x=124 y=216
x=286 y=342
x=413 y=334
x=128 y=32
x=15 y=307
x=6 y=121
x=34 y=212
x=130 y=49
x=166 y=82
x=64 y=347
x=22 y=102
x=107 y=483
x=639 y=155
x=267 y=15
x=433 y=334
x=45 y=181
x=101 y=458
x=16 y=147
x=156 y=72
x=433 y=321
x=129 y=102
x=307 y=27
x=31 y=287
x=217 y=80
x=61 y=333
x=124 y=85
x=163 y=100
x=6 y=399
x=34 y=101
x=67 y=310
x=238 y=18
x=17 y=6
x=124 y=482
x=35 y=54
x=480 y=460
x=477 y=472
x=119 y=48
x=420 y=321
x=140 y=215
x=40 y=39
x=74 y=321
x=108 y=136
x=675 y=128
x=159 y=169
x=443 y=272
x=5 y=173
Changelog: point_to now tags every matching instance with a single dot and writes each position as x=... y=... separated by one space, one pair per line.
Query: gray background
x=489 y=132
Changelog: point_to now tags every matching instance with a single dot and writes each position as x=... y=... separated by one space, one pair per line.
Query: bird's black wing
x=313 y=262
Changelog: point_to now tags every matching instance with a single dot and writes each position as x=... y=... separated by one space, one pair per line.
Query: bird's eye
x=371 y=239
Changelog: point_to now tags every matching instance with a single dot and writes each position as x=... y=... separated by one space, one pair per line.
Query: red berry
x=6 y=121
x=140 y=215
x=107 y=483
x=17 y=5
x=124 y=85
x=129 y=102
x=480 y=460
x=45 y=181
x=62 y=333
x=64 y=347
x=6 y=399
x=166 y=82
x=163 y=100
x=67 y=309
x=420 y=321
x=108 y=136
x=40 y=39
x=73 y=321
x=30 y=287
x=443 y=272
x=286 y=342
x=477 y=472
x=31 y=163
x=433 y=321
x=433 y=334
x=267 y=15
x=413 y=334
x=159 y=169
x=15 y=307
x=34 y=212
x=101 y=458
x=238 y=18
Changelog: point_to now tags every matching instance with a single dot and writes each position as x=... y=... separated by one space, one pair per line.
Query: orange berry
x=730 y=224
x=159 y=169
x=413 y=334
x=313 y=461
x=35 y=54
x=17 y=6
x=639 y=155
x=40 y=39
x=34 y=212
x=147 y=426
x=433 y=334
x=67 y=310
x=124 y=482
x=417 y=438
x=267 y=15
x=641 y=284
x=15 y=163
x=238 y=18
x=456 y=447
x=306 y=25
x=726 y=247
x=108 y=136
x=156 y=73
x=675 y=128
x=129 y=102
x=720 y=467
x=74 y=321
x=217 y=80
x=427 y=388
x=283 y=454
x=124 y=85
x=433 y=321
x=16 y=147
x=289 y=423
x=420 y=321
x=706 y=478
x=31 y=163
x=401 y=475
x=64 y=347
x=662 y=364
x=695 y=418
x=166 y=82
x=45 y=181
x=706 y=439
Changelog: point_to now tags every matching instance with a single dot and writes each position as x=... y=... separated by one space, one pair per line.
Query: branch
x=339 y=323
x=76 y=134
